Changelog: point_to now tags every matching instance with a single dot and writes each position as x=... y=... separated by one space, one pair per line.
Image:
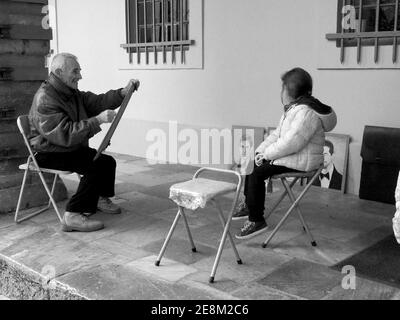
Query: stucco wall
x=247 y=46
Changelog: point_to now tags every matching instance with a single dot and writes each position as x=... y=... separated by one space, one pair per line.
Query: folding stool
x=195 y=194
x=32 y=165
x=296 y=176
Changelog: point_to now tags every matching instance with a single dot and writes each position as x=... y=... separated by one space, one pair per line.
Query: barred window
x=367 y=23
x=157 y=26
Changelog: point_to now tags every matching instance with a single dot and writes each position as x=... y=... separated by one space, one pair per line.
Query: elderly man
x=63 y=119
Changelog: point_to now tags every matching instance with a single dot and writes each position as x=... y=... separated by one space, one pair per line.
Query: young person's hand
x=259 y=159
x=106 y=116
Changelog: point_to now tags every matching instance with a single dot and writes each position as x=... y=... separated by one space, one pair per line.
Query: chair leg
x=303 y=221
x=53 y=202
x=168 y=239
x=224 y=237
x=277 y=203
x=223 y=221
x=21 y=193
x=182 y=212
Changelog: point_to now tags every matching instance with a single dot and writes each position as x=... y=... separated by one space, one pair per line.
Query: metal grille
x=371 y=24
x=157 y=26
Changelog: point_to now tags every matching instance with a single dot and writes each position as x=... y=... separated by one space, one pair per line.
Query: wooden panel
x=17 y=60
x=32 y=47
x=23 y=74
x=25 y=32
x=20 y=19
x=10 y=90
x=12 y=7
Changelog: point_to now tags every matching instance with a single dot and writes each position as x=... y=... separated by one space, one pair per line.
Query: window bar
x=154 y=31
x=181 y=32
x=128 y=28
x=145 y=30
x=138 y=53
x=342 y=41
x=396 y=17
x=359 y=31
x=376 y=55
x=173 y=29
x=163 y=30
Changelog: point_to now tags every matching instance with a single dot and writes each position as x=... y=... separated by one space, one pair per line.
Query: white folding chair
x=311 y=177
x=197 y=193
x=32 y=166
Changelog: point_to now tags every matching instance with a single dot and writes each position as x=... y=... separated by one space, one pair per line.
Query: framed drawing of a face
x=336 y=154
x=245 y=141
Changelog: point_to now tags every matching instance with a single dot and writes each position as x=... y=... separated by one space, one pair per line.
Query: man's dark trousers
x=254 y=188
x=98 y=176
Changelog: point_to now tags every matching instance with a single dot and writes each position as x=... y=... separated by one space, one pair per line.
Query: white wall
x=247 y=46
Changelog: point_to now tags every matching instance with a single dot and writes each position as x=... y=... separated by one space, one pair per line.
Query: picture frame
x=245 y=140
x=336 y=157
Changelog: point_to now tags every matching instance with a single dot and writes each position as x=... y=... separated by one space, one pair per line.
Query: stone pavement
x=118 y=262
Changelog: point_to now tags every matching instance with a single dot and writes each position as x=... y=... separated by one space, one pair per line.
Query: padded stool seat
x=197 y=193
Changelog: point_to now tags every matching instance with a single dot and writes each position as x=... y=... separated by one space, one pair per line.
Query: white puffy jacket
x=396 y=220
x=298 y=142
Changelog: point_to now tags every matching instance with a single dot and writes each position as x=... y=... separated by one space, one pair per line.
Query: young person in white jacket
x=296 y=145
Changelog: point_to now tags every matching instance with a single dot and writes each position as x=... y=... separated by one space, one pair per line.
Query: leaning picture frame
x=336 y=157
x=245 y=140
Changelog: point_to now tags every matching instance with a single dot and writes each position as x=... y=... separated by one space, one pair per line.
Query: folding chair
x=195 y=194
x=307 y=176
x=32 y=165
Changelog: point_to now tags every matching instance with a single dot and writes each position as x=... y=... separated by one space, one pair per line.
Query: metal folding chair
x=311 y=177
x=197 y=193
x=32 y=166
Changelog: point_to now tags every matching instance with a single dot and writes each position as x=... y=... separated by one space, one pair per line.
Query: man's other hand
x=106 y=116
x=134 y=82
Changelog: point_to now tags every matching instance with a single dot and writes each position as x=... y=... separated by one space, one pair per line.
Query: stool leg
x=303 y=221
x=21 y=193
x=168 y=239
x=223 y=221
x=277 y=203
x=182 y=212
x=224 y=236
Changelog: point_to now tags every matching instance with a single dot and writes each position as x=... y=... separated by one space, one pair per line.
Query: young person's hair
x=298 y=83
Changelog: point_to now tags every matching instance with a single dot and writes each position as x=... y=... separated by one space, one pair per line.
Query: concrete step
x=19 y=282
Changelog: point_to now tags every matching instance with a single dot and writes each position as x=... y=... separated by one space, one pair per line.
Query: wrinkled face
x=327 y=157
x=71 y=74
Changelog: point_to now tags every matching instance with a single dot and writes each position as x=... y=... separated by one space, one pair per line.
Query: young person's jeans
x=254 y=188
x=98 y=177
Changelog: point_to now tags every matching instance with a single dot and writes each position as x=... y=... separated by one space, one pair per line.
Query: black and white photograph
x=197 y=158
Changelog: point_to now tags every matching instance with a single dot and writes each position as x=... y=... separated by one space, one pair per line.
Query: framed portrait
x=246 y=140
x=336 y=156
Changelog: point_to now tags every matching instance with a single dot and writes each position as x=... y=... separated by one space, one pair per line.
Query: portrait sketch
x=334 y=173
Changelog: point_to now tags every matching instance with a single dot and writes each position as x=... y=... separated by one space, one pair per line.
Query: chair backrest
x=24 y=128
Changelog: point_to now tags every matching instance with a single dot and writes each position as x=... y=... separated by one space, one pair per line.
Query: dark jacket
x=63 y=119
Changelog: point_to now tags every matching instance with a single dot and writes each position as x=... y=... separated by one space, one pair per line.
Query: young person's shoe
x=107 y=206
x=242 y=214
x=79 y=222
x=252 y=229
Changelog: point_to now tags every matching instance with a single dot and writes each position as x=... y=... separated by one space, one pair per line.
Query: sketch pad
x=107 y=139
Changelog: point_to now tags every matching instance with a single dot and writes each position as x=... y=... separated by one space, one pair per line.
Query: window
x=157 y=26
x=367 y=23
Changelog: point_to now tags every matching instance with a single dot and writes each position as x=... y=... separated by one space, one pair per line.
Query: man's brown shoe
x=107 y=206
x=78 y=222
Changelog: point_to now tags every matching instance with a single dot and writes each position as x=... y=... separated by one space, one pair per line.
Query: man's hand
x=106 y=116
x=259 y=159
x=135 y=83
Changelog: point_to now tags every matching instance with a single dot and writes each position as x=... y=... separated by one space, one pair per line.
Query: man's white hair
x=59 y=61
